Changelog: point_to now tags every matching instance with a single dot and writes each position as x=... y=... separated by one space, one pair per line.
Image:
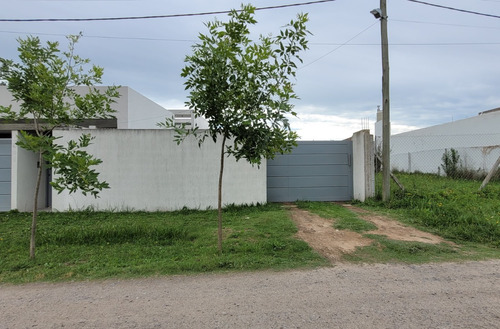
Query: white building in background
x=187 y=117
x=477 y=140
x=145 y=168
x=133 y=110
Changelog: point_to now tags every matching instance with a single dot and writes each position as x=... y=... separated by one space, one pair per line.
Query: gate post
x=363 y=165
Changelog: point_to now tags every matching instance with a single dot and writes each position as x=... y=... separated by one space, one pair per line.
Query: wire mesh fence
x=457 y=156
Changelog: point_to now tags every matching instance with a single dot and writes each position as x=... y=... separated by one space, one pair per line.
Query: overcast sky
x=444 y=64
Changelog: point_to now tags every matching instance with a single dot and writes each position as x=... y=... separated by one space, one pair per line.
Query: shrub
x=451 y=163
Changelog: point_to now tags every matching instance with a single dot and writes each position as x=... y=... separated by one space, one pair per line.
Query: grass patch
x=453 y=208
x=96 y=245
x=344 y=218
x=391 y=251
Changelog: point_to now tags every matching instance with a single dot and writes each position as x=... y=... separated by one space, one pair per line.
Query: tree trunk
x=35 y=207
x=219 y=201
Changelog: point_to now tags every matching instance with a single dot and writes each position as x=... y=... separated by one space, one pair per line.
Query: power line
x=104 y=37
x=154 y=16
x=337 y=48
x=408 y=44
x=447 y=24
x=455 y=9
x=347 y=43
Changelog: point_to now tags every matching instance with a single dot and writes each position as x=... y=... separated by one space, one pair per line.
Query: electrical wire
x=447 y=24
x=104 y=37
x=455 y=9
x=409 y=44
x=337 y=48
x=154 y=16
x=347 y=43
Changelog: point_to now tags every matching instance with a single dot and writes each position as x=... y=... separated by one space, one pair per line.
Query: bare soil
x=320 y=234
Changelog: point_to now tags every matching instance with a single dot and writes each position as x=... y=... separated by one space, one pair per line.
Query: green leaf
x=42 y=81
x=72 y=167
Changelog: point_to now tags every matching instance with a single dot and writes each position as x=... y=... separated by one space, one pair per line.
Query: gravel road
x=450 y=295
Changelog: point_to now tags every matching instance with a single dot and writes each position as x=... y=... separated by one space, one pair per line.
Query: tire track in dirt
x=332 y=243
x=393 y=229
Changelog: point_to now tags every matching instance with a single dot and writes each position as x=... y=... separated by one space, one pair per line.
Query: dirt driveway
x=320 y=234
x=450 y=295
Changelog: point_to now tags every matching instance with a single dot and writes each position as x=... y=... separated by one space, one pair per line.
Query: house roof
x=490 y=111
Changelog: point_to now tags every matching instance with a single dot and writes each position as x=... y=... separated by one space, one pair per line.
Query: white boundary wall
x=146 y=170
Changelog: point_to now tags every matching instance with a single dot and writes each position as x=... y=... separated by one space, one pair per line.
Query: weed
x=451 y=163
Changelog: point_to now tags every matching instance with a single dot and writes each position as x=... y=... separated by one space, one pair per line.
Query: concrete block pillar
x=363 y=165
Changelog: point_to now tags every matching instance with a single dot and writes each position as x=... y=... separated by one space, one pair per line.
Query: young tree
x=42 y=82
x=243 y=89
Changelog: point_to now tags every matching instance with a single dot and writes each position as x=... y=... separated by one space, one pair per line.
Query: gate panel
x=5 y=173
x=314 y=171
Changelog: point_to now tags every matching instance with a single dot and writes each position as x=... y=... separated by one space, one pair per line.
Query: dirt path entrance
x=320 y=234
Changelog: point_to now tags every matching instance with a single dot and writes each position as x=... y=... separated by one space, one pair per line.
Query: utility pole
x=381 y=14
x=386 y=123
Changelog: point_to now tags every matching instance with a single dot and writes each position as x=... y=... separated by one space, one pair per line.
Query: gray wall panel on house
x=314 y=171
x=5 y=173
x=5 y=160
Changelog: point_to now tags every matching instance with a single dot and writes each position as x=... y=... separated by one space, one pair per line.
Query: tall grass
x=90 y=245
x=452 y=207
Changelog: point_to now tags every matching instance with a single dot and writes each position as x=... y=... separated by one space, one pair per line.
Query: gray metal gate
x=314 y=171
x=5 y=173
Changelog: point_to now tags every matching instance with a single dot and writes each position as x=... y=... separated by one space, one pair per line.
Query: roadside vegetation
x=97 y=245
x=453 y=208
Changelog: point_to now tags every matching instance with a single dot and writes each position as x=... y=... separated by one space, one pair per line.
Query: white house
x=147 y=170
x=477 y=140
x=144 y=167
